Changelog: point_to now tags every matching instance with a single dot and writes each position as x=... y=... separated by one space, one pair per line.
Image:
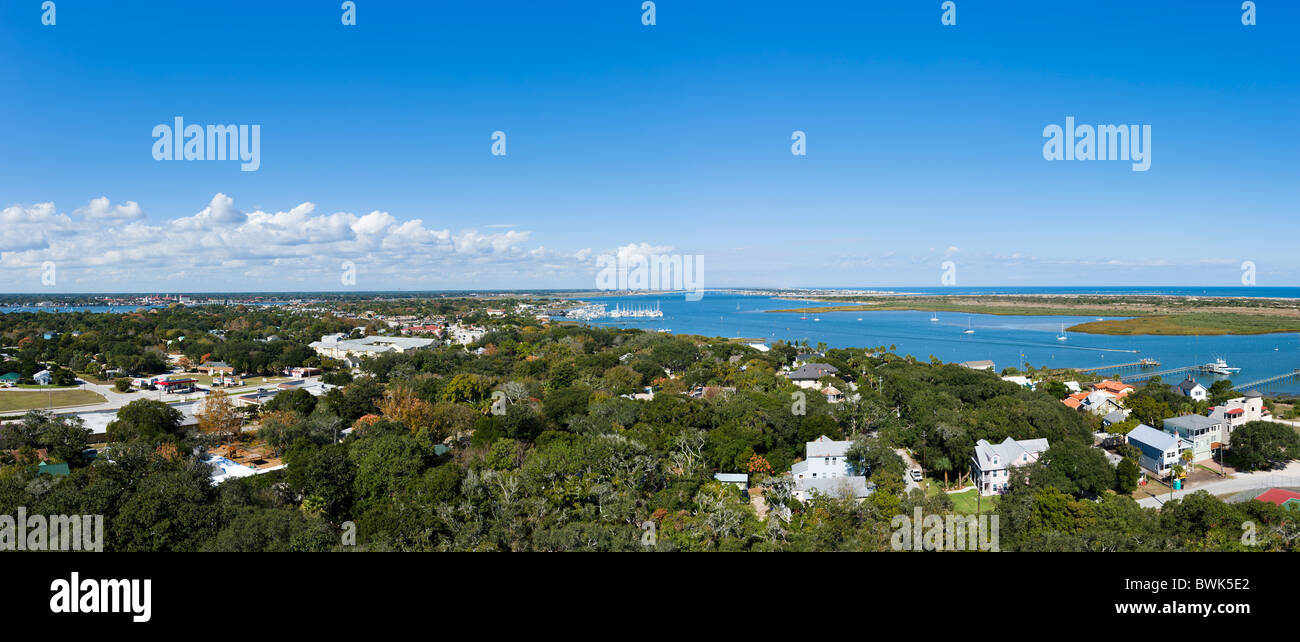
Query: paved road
x=1289 y=476
x=907 y=473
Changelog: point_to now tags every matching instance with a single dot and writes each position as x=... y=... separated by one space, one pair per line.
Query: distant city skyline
x=925 y=145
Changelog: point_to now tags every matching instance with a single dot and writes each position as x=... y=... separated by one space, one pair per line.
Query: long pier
x=1268 y=380
x=1161 y=373
x=1144 y=363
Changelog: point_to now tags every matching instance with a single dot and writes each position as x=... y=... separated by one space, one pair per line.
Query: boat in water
x=968 y=330
x=934 y=317
x=1219 y=366
x=1061 y=336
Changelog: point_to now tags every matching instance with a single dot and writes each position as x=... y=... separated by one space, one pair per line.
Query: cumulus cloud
x=117 y=244
x=100 y=209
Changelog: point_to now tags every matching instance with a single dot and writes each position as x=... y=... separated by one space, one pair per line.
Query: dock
x=1143 y=363
x=1268 y=380
x=1162 y=373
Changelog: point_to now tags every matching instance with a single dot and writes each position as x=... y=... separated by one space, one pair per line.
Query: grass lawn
x=965 y=502
x=10 y=401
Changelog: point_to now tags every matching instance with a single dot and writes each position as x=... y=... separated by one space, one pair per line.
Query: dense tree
x=146 y=420
x=1263 y=444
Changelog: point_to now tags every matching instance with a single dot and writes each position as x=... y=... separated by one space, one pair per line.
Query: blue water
x=1006 y=340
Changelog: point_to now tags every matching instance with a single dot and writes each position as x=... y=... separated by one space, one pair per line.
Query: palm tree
x=944 y=464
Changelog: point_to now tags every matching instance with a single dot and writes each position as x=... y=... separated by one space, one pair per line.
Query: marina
x=1007 y=340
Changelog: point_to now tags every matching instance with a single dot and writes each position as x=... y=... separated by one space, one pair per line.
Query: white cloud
x=101 y=209
x=117 y=247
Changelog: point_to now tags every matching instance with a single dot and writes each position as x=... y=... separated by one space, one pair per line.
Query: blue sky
x=924 y=143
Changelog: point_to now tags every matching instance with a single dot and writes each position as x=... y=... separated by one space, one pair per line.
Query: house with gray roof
x=1205 y=434
x=806 y=376
x=1192 y=388
x=1160 y=450
x=991 y=464
x=825 y=465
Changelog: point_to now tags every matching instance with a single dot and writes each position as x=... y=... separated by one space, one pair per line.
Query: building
x=9 y=379
x=1022 y=381
x=351 y=350
x=991 y=464
x=1115 y=417
x=301 y=372
x=1097 y=402
x=739 y=480
x=825 y=470
x=1160 y=450
x=1192 y=388
x=1205 y=435
x=1236 y=412
x=833 y=394
x=1117 y=388
x=216 y=367
x=978 y=364
x=806 y=376
x=177 y=386
x=43 y=378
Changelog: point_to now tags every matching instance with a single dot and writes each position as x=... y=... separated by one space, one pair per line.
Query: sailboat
x=1061 y=337
x=968 y=330
x=934 y=317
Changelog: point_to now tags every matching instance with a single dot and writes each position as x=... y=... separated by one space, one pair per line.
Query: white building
x=825 y=470
x=43 y=378
x=991 y=464
x=465 y=334
x=335 y=346
x=1236 y=412
x=1192 y=388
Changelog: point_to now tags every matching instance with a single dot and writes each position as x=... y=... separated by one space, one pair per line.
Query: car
x=916 y=474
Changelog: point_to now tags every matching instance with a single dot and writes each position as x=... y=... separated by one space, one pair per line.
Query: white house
x=43 y=378
x=1192 y=388
x=825 y=470
x=1236 y=412
x=991 y=464
x=1206 y=435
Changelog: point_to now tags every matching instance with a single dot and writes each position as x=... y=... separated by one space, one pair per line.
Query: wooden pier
x=1144 y=363
x=1268 y=380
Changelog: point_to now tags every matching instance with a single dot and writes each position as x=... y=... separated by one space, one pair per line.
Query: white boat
x=816 y=319
x=1061 y=337
x=1221 y=367
x=968 y=330
x=934 y=317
